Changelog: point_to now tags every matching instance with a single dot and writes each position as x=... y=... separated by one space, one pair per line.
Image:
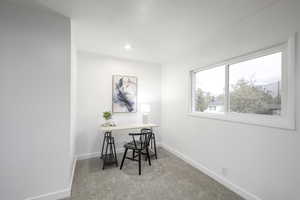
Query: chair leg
x=124 y=156
x=133 y=154
x=140 y=162
x=148 y=156
x=155 y=147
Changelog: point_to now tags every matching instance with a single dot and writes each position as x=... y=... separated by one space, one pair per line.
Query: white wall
x=73 y=98
x=263 y=161
x=35 y=101
x=94 y=95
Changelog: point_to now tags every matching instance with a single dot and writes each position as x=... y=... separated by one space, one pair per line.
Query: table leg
x=110 y=155
x=103 y=144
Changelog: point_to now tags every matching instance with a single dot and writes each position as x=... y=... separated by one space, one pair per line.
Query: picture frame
x=124 y=94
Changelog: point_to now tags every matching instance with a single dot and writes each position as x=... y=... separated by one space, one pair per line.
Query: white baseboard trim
x=85 y=156
x=61 y=193
x=88 y=155
x=242 y=192
x=94 y=154
x=73 y=172
x=53 y=195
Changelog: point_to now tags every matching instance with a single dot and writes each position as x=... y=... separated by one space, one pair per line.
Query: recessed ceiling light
x=127 y=47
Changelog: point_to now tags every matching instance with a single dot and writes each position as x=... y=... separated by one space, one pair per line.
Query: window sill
x=252 y=119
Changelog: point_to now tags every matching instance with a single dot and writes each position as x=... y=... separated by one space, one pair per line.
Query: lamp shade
x=145 y=108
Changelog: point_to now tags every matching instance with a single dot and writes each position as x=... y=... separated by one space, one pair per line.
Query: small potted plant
x=107 y=116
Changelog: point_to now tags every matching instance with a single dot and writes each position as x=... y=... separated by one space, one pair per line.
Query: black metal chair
x=139 y=145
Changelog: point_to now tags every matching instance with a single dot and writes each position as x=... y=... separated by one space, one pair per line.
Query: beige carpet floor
x=168 y=178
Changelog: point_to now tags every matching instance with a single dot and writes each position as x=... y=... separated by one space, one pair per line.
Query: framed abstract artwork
x=124 y=94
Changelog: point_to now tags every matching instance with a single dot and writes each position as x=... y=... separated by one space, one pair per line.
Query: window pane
x=255 y=85
x=209 y=90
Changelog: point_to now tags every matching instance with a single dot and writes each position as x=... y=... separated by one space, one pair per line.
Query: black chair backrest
x=147 y=133
x=144 y=138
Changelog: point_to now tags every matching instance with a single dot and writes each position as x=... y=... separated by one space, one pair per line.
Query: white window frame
x=287 y=118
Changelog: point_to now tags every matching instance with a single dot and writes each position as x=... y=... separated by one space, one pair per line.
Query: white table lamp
x=145 y=109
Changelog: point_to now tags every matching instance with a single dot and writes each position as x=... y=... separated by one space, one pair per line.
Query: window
x=209 y=93
x=255 y=85
x=257 y=88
